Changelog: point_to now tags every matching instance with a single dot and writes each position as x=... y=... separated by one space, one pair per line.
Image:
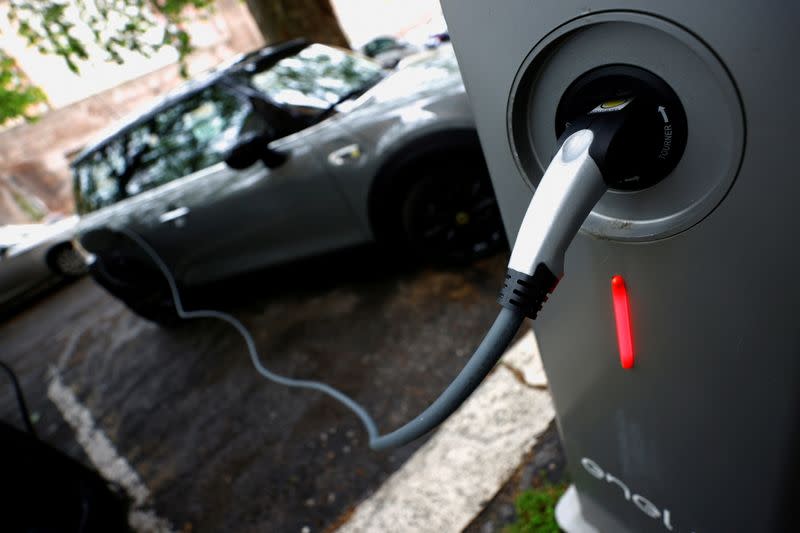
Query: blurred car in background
x=388 y=51
x=437 y=39
x=35 y=256
x=431 y=34
x=287 y=153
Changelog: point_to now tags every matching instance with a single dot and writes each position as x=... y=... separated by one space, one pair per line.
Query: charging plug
x=599 y=149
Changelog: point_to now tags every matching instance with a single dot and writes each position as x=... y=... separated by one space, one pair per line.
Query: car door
x=297 y=208
x=216 y=221
x=164 y=167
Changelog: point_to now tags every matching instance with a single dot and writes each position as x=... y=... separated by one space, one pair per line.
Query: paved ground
x=216 y=447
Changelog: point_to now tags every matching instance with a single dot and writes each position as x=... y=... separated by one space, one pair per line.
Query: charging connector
x=599 y=150
x=570 y=188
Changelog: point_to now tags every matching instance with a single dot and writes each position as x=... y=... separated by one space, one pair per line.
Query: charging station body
x=702 y=433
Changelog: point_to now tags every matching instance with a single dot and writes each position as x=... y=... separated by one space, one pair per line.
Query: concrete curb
x=447 y=482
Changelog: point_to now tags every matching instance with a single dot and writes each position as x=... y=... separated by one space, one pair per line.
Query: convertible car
x=287 y=152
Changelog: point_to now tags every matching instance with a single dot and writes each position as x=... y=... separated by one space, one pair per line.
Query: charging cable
x=486 y=355
x=581 y=171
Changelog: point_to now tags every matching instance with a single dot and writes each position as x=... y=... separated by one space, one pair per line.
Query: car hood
x=418 y=76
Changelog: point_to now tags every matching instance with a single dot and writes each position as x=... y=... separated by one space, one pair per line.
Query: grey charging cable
x=479 y=365
x=574 y=181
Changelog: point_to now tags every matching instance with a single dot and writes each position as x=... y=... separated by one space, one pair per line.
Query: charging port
x=663 y=132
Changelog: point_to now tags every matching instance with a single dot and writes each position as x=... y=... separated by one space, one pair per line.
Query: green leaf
x=17 y=96
x=114 y=25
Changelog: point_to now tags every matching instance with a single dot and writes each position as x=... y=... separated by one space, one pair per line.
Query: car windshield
x=316 y=78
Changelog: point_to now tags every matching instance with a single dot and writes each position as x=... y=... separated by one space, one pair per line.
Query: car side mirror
x=253 y=147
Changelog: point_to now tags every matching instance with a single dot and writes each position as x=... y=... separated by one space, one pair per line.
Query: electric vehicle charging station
x=677 y=386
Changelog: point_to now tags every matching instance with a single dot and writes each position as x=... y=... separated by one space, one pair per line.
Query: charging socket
x=660 y=140
x=693 y=155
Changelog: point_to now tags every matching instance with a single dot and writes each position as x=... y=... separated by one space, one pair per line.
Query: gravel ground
x=219 y=448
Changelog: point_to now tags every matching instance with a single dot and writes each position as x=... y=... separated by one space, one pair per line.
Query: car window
x=316 y=77
x=190 y=136
x=193 y=134
x=96 y=184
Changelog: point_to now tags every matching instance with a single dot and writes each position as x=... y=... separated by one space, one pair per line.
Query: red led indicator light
x=622 y=315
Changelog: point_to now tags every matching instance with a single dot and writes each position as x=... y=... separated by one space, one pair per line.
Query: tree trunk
x=280 y=20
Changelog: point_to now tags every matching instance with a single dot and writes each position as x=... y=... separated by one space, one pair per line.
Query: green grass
x=536 y=510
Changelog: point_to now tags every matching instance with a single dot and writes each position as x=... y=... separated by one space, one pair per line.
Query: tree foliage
x=114 y=26
x=142 y=26
x=17 y=95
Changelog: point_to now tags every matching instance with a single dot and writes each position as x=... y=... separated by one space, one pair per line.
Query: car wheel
x=450 y=213
x=66 y=261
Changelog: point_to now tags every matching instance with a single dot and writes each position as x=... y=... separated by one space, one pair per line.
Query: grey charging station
x=702 y=433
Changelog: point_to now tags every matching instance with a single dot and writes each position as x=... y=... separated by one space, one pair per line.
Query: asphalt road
x=219 y=448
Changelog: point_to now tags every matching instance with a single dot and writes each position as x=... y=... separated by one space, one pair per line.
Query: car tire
x=66 y=261
x=449 y=212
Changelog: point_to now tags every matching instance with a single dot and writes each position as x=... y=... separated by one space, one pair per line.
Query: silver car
x=36 y=256
x=285 y=153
